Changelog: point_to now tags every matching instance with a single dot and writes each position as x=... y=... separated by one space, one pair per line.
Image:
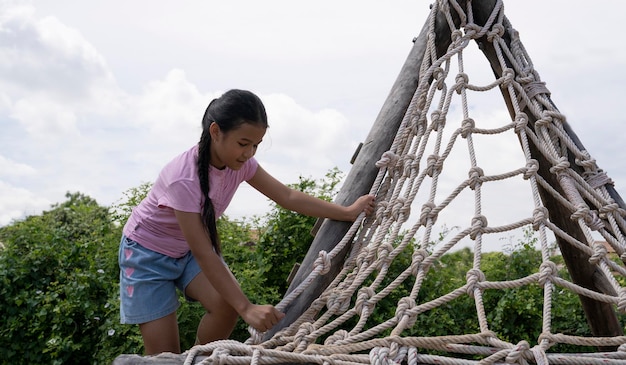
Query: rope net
x=442 y=129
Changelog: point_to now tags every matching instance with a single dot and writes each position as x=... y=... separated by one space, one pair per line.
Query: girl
x=170 y=240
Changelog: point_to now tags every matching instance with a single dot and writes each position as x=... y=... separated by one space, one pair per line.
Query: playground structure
x=423 y=160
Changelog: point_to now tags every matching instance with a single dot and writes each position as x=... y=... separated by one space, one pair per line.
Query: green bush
x=57 y=275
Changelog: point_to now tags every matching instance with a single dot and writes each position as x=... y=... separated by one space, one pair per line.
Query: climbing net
x=441 y=128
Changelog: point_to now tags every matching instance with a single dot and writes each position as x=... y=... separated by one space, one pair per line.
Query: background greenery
x=59 y=299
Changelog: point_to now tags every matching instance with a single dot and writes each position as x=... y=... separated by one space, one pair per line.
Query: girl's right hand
x=262 y=317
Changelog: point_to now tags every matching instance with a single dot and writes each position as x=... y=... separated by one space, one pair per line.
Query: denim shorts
x=148 y=282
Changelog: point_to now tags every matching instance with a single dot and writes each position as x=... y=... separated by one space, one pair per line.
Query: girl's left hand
x=363 y=204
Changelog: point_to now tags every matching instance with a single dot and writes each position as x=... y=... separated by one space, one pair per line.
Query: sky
x=96 y=96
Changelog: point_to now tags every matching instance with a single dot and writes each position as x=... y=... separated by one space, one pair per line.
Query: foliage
x=286 y=235
x=57 y=272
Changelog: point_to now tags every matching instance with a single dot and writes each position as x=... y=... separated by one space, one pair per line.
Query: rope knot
x=433 y=165
x=475 y=175
x=427 y=212
x=323 y=262
x=478 y=223
x=547 y=270
x=383 y=254
x=400 y=207
x=405 y=305
x=590 y=217
x=599 y=252
x=497 y=31
x=586 y=161
x=532 y=166
x=417 y=259
x=508 y=75
x=474 y=277
x=561 y=166
x=408 y=165
x=340 y=335
x=467 y=127
x=337 y=303
x=438 y=119
x=609 y=208
x=380 y=356
x=544 y=121
x=304 y=330
x=521 y=121
x=219 y=356
x=540 y=216
x=381 y=210
x=362 y=305
x=461 y=82
x=516 y=355
x=388 y=159
x=439 y=77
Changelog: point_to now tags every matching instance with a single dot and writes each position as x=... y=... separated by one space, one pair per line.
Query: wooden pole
x=358 y=182
x=601 y=316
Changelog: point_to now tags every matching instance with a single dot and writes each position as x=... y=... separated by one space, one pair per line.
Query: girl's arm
x=261 y=317
x=302 y=203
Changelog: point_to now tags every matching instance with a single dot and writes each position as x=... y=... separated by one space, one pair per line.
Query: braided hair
x=231 y=110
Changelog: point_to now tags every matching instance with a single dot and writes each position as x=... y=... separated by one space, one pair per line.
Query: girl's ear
x=214 y=130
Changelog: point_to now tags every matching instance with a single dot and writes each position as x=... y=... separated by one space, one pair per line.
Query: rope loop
x=544 y=121
x=467 y=127
x=323 y=261
x=521 y=121
x=478 y=223
x=388 y=160
x=516 y=356
x=547 y=270
x=475 y=175
x=599 y=253
x=540 y=216
x=427 y=212
x=474 y=277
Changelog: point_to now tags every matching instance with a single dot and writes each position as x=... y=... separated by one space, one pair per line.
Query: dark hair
x=229 y=111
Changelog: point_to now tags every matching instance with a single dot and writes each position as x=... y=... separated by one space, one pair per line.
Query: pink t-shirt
x=153 y=223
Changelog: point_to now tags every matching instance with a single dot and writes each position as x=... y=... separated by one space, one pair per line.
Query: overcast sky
x=96 y=96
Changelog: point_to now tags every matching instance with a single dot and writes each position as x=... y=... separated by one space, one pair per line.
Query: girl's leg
x=161 y=335
x=220 y=318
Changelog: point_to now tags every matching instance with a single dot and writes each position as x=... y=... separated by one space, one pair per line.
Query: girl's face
x=234 y=148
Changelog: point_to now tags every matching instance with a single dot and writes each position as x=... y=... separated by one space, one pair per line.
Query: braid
x=208 y=212
x=229 y=112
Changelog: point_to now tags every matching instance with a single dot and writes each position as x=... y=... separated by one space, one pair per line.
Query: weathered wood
x=601 y=317
x=358 y=182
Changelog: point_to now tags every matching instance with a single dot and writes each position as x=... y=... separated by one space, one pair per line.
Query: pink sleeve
x=183 y=195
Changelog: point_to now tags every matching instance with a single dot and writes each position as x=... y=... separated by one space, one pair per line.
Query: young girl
x=170 y=240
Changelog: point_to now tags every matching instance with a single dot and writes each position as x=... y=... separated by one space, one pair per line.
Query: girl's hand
x=362 y=204
x=261 y=317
